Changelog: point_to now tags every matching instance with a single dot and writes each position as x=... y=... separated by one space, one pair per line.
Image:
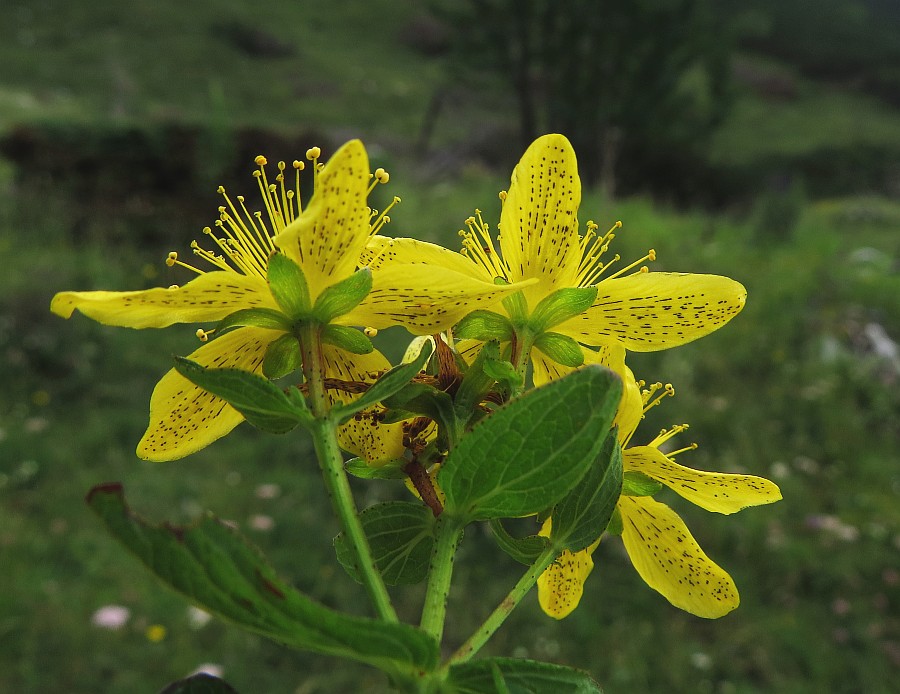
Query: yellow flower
x=324 y=239
x=540 y=243
x=660 y=546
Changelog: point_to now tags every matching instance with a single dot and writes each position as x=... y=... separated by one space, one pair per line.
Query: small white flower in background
x=262 y=523
x=112 y=617
x=268 y=491
x=213 y=669
x=198 y=618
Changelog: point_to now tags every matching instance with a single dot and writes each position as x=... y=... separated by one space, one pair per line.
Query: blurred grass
x=794 y=388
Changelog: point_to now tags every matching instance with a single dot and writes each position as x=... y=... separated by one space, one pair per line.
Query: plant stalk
x=331 y=463
x=503 y=610
x=448 y=535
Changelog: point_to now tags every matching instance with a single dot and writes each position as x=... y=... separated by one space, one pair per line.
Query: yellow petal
x=185 y=418
x=538 y=224
x=714 y=491
x=671 y=562
x=561 y=585
x=631 y=407
x=425 y=299
x=611 y=356
x=208 y=297
x=382 y=251
x=656 y=310
x=327 y=238
x=362 y=436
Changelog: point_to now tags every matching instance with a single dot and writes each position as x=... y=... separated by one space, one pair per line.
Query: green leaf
x=636 y=483
x=391 y=470
x=262 y=403
x=484 y=325
x=390 y=383
x=401 y=535
x=561 y=305
x=523 y=549
x=584 y=513
x=288 y=285
x=201 y=683
x=348 y=339
x=218 y=570
x=282 y=357
x=344 y=296
x=267 y=318
x=560 y=348
x=531 y=452
x=497 y=675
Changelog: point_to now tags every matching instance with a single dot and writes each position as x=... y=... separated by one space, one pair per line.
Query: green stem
x=331 y=462
x=521 y=349
x=448 y=535
x=503 y=610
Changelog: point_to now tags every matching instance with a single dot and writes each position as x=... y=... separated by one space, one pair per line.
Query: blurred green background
x=757 y=140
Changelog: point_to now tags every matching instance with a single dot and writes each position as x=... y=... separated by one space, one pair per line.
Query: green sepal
x=201 y=683
x=391 y=470
x=582 y=516
x=386 y=386
x=615 y=522
x=531 y=452
x=262 y=403
x=267 y=318
x=561 y=305
x=560 y=348
x=515 y=306
x=503 y=372
x=282 y=357
x=484 y=325
x=523 y=549
x=516 y=676
x=214 y=567
x=348 y=339
x=344 y=296
x=636 y=483
x=401 y=535
x=288 y=286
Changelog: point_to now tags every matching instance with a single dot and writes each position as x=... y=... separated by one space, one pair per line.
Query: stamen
x=203 y=335
x=172 y=260
x=667 y=434
x=370 y=332
x=651 y=255
x=593 y=247
x=382 y=218
x=478 y=246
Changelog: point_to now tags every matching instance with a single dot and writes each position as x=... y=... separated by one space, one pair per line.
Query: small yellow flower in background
x=155 y=633
x=540 y=246
x=660 y=546
x=324 y=240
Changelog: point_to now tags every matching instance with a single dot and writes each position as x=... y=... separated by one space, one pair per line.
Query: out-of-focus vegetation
x=117 y=123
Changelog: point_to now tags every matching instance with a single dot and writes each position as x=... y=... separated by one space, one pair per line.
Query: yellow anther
x=202 y=335
x=172 y=259
x=370 y=332
x=281 y=166
x=220 y=190
x=470 y=221
x=260 y=160
x=618 y=224
x=651 y=254
x=644 y=270
x=313 y=153
x=173 y=287
x=299 y=165
x=503 y=195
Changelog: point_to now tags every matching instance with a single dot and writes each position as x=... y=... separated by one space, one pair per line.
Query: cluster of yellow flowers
x=542 y=287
